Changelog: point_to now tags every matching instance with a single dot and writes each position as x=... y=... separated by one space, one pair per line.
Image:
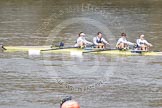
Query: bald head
x=70 y=104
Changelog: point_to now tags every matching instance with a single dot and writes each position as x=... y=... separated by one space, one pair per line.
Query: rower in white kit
x=99 y=41
x=81 y=41
x=123 y=43
x=142 y=44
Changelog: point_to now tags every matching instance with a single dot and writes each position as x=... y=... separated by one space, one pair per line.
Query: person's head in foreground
x=69 y=103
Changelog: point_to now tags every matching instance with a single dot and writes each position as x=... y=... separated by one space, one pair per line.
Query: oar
x=58 y=48
x=37 y=52
x=138 y=51
x=99 y=50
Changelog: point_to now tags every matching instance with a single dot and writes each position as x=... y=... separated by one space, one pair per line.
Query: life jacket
x=141 y=43
x=99 y=41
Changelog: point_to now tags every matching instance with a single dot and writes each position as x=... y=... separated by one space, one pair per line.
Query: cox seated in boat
x=122 y=42
x=142 y=44
x=99 y=41
x=82 y=42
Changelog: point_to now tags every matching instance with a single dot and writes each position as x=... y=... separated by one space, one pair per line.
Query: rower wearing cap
x=142 y=44
x=81 y=41
x=99 y=41
x=122 y=43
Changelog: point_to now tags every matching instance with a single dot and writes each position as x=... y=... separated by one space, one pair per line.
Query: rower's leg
x=143 y=48
x=146 y=48
x=97 y=46
x=81 y=45
x=126 y=46
x=119 y=46
x=122 y=45
x=101 y=45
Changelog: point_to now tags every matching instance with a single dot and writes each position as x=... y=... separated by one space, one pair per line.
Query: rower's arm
x=87 y=42
x=147 y=43
x=104 y=41
x=130 y=43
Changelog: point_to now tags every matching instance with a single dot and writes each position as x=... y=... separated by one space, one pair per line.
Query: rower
x=99 y=41
x=122 y=43
x=81 y=41
x=69 y=103
x=142 y=44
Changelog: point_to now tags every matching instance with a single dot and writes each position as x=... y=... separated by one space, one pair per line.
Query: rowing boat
x=25 y=48
x=47 y=49
x=129 y=52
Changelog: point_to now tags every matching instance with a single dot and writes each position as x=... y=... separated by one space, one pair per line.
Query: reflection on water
x=93 y=80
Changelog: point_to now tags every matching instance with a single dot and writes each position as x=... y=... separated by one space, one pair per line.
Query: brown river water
x=94 y=80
